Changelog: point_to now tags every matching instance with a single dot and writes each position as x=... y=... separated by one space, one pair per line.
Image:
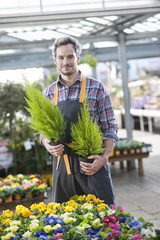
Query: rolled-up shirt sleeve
x=107 y=120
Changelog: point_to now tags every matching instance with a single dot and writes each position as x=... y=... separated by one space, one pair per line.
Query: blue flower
x=59 y=230
x=135 y=224
x=93 y=234
x=8 y=190
x=123 y=219
x=18 y=188
x=53 y=220
x=40 y=234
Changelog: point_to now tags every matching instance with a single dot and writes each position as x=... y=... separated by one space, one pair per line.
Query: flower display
x=82 y=217
x=21 y=186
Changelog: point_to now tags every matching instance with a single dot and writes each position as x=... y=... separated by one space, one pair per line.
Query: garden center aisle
x=139 y=195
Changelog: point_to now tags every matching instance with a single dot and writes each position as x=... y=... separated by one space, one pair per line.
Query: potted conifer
x=46 y=119
x=87 y=138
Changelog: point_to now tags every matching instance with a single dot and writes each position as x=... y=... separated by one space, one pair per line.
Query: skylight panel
x=152 y=25
x=99 y=20
x=111 y=18
x=128 y=30
x=138 y=27
x=69 y=32
x=87 y=23
x=23 y=35
x=79 y=30
x=105 y=44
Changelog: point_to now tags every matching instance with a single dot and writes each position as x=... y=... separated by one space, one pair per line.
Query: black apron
x=66 y=186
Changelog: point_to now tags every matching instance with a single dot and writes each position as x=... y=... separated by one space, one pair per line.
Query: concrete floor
x=139 y=195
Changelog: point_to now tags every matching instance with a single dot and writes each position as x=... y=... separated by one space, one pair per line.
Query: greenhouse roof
x=29 y=28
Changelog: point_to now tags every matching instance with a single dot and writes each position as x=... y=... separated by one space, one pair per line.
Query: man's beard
x=67 y=73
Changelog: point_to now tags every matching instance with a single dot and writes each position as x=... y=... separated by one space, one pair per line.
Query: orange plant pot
x=41 y=195
x=9 y=199
x=17 y=196
x=30 y=195
x=1 y=200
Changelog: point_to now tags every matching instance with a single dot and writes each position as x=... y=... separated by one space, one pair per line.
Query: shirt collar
x=78 y=79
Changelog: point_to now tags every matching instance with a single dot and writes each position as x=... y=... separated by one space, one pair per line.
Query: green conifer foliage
x=45 y=118
x=86 y=135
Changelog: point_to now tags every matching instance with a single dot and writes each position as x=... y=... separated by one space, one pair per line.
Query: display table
x=129 y=157
x=25 y=202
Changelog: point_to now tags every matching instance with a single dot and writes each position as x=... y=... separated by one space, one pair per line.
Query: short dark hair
x=64 y=41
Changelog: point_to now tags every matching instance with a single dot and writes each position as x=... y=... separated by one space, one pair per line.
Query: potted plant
x=46 y=119
x=87 y=138
x=6 y=194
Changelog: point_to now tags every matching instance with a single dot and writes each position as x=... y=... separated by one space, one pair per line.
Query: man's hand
x=92 y=168
x=53 y=150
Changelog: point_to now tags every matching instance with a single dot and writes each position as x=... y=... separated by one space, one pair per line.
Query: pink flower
x=58 y=235
x=27 y=186
x=137 y=236
x=113 y=207
x=114 y=226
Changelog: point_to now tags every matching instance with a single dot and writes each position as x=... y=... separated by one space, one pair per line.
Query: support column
x=126 y=92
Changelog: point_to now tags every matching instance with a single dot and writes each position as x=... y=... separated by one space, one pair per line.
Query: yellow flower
x=90 y=197
x=7 y=213
x=82 y=197
x=6 y=221
x=41 y=186
x=52 y=208
x=32 y=176
x=48 y=228
x=68 y=209
x=69 y=220
x=23 y=210
x=96 y=223
x=101 y=206
x=34 y=180
x=72 y=203
x=86 y=225
x=15 y=222
x=1 y=229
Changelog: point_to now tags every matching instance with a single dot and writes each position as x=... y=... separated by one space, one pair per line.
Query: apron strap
x=82 y=92
x=83 y=89
x=65 y=156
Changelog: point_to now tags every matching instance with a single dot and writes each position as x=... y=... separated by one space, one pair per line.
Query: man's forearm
x=108 y=145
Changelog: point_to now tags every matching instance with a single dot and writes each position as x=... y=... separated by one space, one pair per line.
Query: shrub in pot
x=46 y=119
x=87 y=139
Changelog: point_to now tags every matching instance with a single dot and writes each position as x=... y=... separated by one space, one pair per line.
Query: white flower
x=96 y=222
x=111 y=211
x=102 y=214
x=148 y=232
x=87 y=206
x=34 y=221
x=15 y=222
x=14 y=228
x=32 y=217
x=89 y=215
x=80 y=228
x=69 y=220
x=56 y=226
x=8 y=236
x=86 y=225
x=33 y=226
x=27 y=234
x=47 y=228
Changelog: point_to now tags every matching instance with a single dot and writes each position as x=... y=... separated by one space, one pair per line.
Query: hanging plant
x=45 y=118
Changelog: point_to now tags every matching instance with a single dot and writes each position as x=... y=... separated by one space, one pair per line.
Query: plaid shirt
x=99 y=102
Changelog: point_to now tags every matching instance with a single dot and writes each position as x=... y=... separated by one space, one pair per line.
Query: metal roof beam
x=36 y=19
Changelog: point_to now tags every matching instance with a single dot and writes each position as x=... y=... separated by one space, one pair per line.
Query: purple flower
x=93 y=234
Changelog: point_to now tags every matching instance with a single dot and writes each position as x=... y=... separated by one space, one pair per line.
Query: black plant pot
x=61 y=142
x=81 y=159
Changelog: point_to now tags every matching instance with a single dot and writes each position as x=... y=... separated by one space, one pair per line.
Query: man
x=68 y=89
